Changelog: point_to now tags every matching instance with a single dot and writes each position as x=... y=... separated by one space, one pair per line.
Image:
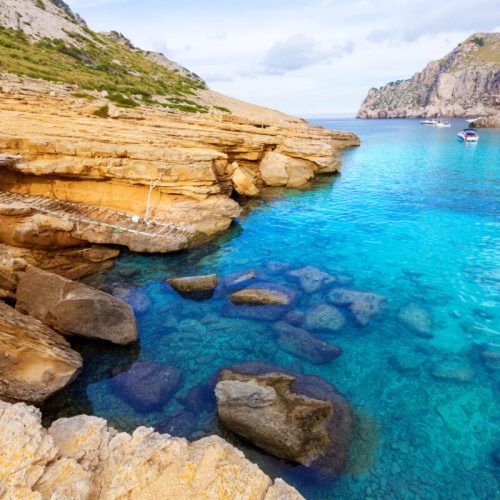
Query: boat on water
x=468 y=135
x=443 y=124
x=429 y=122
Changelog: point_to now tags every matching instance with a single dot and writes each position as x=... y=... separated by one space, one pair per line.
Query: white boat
x=429 y=122
x=468 y=135
x=443 y=124
x=470 y=120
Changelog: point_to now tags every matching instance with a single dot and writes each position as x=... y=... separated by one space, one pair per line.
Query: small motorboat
x=468 y=135
x=429 y=122
x=443 y=124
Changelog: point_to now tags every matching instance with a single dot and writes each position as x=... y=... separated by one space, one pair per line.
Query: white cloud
x=297 y=55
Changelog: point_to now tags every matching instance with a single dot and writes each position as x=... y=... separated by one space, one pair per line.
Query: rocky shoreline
x=183 y=173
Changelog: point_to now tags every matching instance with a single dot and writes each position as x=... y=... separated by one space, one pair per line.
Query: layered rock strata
x=182 y=166
x=82 y=458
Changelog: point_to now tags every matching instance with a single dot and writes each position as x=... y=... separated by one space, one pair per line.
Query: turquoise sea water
x=414 y=217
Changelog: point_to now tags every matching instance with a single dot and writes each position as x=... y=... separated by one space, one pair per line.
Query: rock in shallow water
x=182 y=424
x=363 y=305
x=417 y=319
x=264 y=294
x=82 y=458
x=75 y=309
x=295 y=417
x=191 y=284
x=147 y=386
x=311 y=279
x=324 y=317
x=459 y=372
x=35 y=361
x=303 y=345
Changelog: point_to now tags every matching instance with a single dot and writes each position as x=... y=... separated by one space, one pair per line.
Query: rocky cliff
x=90 y=119
x=464 y=83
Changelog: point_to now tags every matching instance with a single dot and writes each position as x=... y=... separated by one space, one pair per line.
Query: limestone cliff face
x=82 y=458
x=464 y=83
x=185 y=163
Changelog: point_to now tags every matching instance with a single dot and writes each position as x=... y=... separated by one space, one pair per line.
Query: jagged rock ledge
x=187 y=165
x=83 y=458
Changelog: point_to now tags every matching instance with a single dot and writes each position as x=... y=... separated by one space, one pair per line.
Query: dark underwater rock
x=147 y=386
x=236 y=281
x=455 y=371
x=311 y=279
x=199 y=398
x=363 y=305
x=261 y=313
x=136 y=299
x=416 y=319
x=405 y=364
x=295 y=318
x=299 y=418
x=303 y=345
x=324 y=317
x=181 y=424
x=129 y=272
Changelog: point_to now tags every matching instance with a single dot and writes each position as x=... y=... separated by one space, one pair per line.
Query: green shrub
x=83 y=95
x=121 y=101
x=479 y=40
x=102 y=112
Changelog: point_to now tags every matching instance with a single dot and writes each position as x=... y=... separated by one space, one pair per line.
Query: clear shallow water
x=414 y=217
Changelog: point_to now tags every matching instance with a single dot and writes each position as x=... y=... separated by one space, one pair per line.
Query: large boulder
x=147 y=386
x=35 y=361
x=299 y=418
x=311 y=279
x=363 y=305
x=324 y=318
x=244 y=182
x=82 y=458
x=278 y=169
x=264 y=294
x=301 y=344
x=75 y=309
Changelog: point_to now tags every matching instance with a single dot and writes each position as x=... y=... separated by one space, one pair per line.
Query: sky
x=305 y=57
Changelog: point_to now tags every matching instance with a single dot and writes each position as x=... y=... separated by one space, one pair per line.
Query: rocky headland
x=464 y=83
x=103 y=146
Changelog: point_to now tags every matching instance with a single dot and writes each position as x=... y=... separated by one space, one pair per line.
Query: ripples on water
x=413 y=217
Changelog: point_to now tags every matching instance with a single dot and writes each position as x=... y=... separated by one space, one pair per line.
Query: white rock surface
x=83 y=459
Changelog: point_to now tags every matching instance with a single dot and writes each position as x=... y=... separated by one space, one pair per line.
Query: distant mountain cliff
x=464 y=83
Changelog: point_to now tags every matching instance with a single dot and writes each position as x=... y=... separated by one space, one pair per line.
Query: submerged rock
x=236 y=281
x=82 y=458
x=147 y=386
x=303 y=345
x=311 y=279
x=182 y=424
x=456 y=371
x=75 y=309
x=199 y=398
x=135 y=298
x=295 y=417
x=406 y=364
x=363 y=305
x=417 y=319
x=257 y=312
x=264 y=294
x=195 y=287
x=35 y=361
x=324 y=317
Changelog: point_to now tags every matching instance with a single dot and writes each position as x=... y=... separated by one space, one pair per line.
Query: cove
x=414 y=218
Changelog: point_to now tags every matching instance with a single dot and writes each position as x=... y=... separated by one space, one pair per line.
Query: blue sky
x=305 y=57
